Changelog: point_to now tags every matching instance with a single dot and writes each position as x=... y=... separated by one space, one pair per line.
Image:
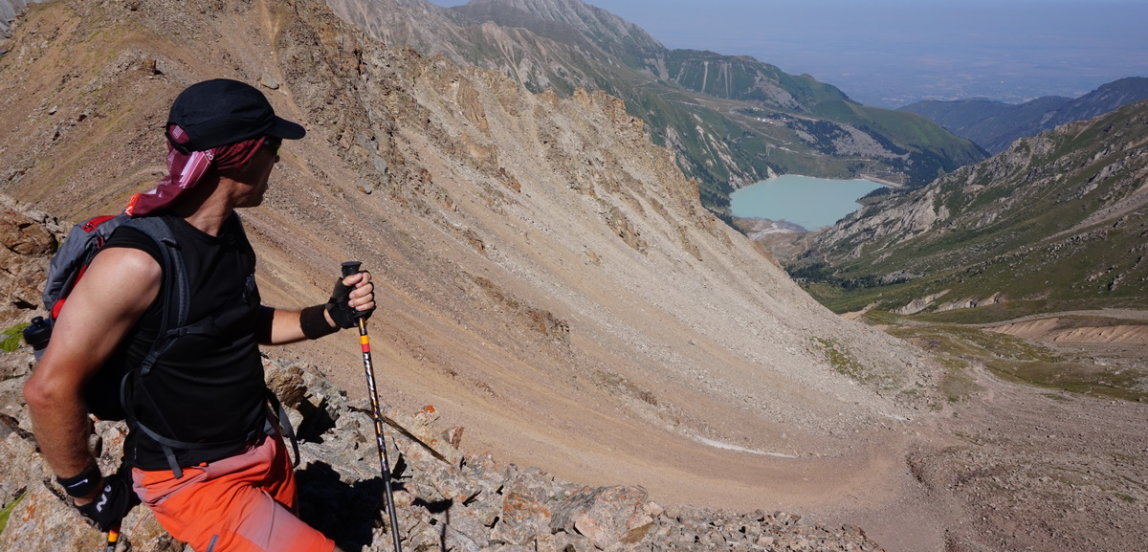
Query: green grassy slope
x=1057 y=222
x=931 y=149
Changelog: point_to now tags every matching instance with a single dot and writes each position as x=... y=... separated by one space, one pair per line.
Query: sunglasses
x=272 y=143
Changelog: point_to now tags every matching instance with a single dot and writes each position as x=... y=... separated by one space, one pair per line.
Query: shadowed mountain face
x=730 y=121
x=547 y=276
x=1056 y=222
x=995 y=125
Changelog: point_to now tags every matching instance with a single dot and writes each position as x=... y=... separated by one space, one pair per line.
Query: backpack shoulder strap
x=68 y=264
x=175 y=306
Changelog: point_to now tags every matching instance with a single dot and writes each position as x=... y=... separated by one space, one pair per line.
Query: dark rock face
x=27 y=240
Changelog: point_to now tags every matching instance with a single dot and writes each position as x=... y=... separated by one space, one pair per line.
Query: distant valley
x=994 y=125
x=1056 y=222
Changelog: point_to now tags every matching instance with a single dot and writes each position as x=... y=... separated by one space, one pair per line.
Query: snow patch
x=728 y=446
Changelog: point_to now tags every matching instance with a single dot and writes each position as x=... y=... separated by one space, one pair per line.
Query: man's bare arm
x=116 y=289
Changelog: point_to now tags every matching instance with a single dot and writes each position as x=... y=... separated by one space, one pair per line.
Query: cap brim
x=282 y=128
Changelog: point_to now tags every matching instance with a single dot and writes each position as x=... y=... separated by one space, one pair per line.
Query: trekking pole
x=113 y=538
x=349 y=268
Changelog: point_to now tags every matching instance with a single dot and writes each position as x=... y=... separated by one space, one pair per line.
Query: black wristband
x=314 y=323
x=84 y=484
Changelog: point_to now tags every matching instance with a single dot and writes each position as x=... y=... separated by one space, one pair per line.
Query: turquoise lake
x=808 y=202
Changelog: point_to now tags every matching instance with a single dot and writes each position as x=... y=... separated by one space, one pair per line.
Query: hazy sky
x=893 y=52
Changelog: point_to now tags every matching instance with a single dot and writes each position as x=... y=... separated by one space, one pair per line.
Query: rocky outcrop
x=567 y=45
x=446 y=499
x=27 y=239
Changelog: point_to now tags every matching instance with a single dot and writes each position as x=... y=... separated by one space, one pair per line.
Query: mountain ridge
x=995 y=125
x=744 y=78
x=724 y=142
x=601 y=27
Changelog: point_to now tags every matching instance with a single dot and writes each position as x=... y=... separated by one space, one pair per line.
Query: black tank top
x=204 y=389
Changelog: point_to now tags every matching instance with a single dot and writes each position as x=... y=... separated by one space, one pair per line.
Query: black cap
x=222 y=111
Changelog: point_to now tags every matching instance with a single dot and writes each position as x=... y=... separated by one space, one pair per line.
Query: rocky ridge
x=996 y=125
x=691 y=101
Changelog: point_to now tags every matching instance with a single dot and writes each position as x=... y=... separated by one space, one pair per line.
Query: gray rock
x=606 y=516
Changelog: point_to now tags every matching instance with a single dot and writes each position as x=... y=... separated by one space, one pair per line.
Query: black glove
x=338 y=306
x=115 y=500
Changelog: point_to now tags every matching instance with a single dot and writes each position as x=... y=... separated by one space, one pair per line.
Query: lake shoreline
x=881 y=181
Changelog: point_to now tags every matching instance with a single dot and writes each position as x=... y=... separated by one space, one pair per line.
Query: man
x=204 y=456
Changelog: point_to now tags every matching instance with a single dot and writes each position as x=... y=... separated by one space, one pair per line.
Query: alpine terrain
x=631 y=373
x=1029 y=266
x=730 y=120
x=995 y=125
x=1057 y=222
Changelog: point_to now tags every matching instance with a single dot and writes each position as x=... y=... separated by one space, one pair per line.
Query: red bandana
x=185 y=171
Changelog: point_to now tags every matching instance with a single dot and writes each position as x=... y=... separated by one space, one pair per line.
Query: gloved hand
x=339 y=305
x=115 y=500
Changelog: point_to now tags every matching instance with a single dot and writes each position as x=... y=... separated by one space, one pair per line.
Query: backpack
x=68 y=266
x=111 y=393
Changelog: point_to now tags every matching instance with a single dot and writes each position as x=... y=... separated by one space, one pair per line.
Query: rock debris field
x=446 y=500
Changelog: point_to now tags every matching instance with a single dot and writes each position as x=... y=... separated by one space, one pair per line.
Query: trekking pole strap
x=283 y=423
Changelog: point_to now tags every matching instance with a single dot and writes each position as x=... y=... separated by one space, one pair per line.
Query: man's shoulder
x=128 y=259
x=133 y=236
x=119 y=281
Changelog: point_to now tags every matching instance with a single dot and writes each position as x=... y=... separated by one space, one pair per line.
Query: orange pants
x=243 y=503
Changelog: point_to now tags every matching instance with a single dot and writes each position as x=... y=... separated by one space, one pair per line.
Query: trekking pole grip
x=351 y=267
